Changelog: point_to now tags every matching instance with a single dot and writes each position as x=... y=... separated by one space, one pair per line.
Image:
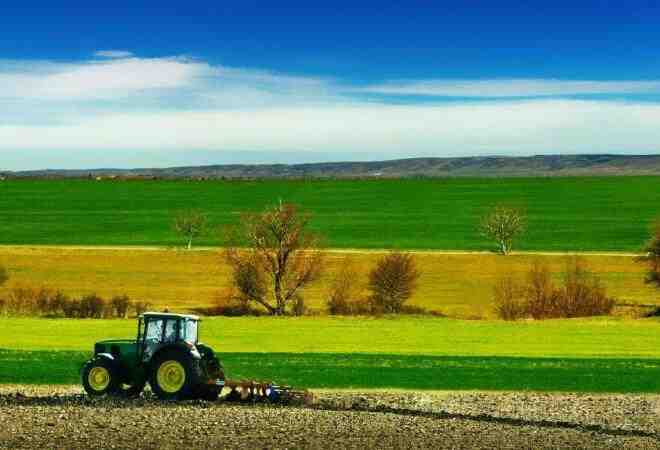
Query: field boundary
x=156 y=248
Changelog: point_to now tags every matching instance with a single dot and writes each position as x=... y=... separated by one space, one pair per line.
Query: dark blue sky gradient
x=356 y=41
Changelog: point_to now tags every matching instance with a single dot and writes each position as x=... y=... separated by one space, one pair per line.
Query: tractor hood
x=114 y=346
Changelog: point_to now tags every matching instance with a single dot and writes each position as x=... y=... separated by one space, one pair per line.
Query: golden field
x=459 y=285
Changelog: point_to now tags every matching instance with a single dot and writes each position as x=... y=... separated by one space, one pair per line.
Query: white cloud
x=550 y=126
x=162 y=106
x=501 y=88
x=113 y=54
x=94 y=80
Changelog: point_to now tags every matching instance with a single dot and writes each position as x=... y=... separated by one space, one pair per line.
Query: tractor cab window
x=191 y=332
x=171 y=327
x=154 y=331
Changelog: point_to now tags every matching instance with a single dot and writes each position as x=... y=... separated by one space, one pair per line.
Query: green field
x=587 y=355
x=568 y=214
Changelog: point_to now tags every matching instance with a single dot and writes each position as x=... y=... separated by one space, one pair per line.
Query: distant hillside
x=495 y=166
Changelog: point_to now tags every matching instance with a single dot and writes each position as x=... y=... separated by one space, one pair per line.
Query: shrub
x=229 y=303
x=71 y=308
x=119 y=306
x=4 y=275
x=542 y=299
x=141 y=307
x=580 y=294
x=393 y=281
x=22 y=301
x=92 y=306
x=342 y=292
x=509 y=301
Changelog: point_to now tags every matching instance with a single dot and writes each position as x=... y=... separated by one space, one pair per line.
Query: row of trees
x=30 y=301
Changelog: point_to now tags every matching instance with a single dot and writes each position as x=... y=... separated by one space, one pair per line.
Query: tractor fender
x=179 y=348
x=107 y=356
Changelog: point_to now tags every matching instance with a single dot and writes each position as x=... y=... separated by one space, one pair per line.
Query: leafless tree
x=503 y=224
x=273 y=257
x=190 y=224
x=652 y=256
x=393 y=281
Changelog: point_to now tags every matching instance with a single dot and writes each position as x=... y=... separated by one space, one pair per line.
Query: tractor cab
x=156 y=330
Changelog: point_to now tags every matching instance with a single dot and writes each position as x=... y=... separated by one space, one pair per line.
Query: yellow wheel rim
x=98 y=378
x=171 y=376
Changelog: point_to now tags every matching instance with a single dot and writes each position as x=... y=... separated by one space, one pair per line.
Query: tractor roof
x=163 y=315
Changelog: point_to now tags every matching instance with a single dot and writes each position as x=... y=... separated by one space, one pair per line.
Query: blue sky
x=170 y=83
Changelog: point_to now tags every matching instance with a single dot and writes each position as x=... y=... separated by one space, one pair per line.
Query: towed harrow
x=253 y=391
x=167 y=355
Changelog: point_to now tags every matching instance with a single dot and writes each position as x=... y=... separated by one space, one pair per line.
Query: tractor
x=166 y=354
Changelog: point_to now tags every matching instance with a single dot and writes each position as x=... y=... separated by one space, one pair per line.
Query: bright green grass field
x=588 y=213
x=587 y=355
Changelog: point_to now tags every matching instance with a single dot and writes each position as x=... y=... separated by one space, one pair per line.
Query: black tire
x=178 y=389
x=93 y=377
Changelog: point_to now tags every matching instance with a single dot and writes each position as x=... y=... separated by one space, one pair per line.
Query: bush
x=92 y=306
x=229 y=303
x=509 y=301
x=393 y=281
x=141 y=307
x=119 y=306
x=342 y=292
x=22 y=301
x=580 y=294
x=30 y=301
x=71 y=308
x=4 y=275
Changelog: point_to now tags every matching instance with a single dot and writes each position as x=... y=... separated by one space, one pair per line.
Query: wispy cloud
x=113 y=54
x=177 y=82
x=96 y=79
x=505 y=88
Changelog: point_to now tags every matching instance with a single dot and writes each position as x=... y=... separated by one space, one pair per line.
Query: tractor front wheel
x=99 y=377
x=172 y=375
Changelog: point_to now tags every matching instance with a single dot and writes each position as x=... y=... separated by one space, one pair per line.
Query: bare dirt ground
x=61 y=417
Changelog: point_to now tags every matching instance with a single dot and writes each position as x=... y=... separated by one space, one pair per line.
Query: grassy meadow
x=590 y=355
x=459 y=285
x=565 y=214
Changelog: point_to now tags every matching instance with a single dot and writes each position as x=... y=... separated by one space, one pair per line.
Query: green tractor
x=166 y=354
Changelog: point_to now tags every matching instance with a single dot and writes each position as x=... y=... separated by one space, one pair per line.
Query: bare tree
x=393 y=281
x=191 y=224
x=652 y=256
x=503 y=224
x=279 y=259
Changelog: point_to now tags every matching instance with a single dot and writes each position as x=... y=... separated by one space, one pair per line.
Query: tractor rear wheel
x=173 y=375
x=99 y=377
